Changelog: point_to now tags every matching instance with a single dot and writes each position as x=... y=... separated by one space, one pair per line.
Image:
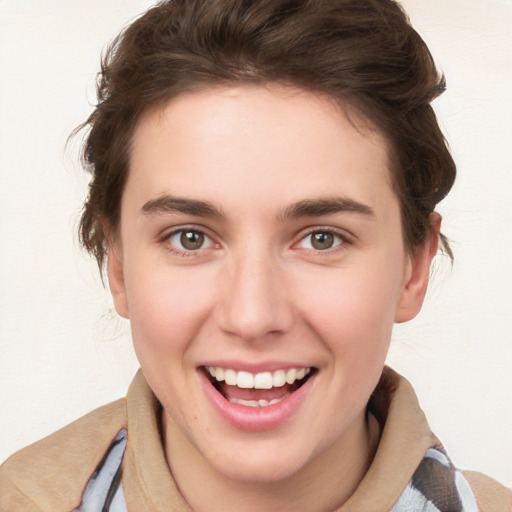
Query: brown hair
x=363 y=53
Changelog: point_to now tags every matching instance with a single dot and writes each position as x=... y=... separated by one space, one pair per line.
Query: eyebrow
x=170 y=204
x=326 y=206
x=304 y=208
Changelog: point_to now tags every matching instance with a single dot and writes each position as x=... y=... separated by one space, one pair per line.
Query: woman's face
x=260 y=261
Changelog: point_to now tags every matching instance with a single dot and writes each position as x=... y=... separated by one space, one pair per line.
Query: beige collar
x=406 y=436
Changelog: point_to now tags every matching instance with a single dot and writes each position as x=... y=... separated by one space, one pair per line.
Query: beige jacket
x=51 y=474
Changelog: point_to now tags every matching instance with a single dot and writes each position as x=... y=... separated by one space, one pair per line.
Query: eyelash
x=166 y=239
x=341 y=240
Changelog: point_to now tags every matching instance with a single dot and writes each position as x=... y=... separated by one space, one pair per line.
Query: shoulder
x=490 y=494
x=50 y=475
x=417 y=463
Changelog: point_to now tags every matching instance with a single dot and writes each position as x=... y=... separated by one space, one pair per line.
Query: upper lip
x=254 y=368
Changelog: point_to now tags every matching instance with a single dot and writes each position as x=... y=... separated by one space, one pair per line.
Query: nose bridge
x=254 y=301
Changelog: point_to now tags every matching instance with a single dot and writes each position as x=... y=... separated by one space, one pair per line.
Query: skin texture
x=257 y=294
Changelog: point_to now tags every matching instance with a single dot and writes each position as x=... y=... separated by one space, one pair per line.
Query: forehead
x=254 y=140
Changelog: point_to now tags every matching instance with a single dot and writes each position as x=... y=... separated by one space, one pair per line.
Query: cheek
x=353 y=311
x=167 y=307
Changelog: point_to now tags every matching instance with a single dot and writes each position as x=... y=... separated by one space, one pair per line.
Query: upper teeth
x=264 y=380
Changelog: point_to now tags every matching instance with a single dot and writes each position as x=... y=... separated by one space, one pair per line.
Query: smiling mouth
x=262 y=389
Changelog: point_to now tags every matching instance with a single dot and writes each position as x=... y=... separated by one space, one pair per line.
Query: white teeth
x=230 y=377
x=257 y=403
x=291 y=375
x=279 y=378
x=263 y=380
x=247 y=403
x=245 y=380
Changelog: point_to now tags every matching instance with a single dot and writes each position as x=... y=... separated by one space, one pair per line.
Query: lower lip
x=256 y=419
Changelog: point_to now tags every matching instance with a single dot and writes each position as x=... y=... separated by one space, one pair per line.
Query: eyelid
x=346 y=237
x=169 y=233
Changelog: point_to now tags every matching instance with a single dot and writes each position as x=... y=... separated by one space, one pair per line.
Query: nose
x=254 y=301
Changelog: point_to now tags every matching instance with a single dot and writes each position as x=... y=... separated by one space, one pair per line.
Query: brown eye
x=321 y=240
x=191 y=240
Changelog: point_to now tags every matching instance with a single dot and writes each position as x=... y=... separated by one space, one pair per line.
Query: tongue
x=255 y=394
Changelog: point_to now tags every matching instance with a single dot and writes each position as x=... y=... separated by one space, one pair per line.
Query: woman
x=264 y=178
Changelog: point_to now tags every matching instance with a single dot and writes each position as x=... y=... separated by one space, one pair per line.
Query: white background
x=63 y=352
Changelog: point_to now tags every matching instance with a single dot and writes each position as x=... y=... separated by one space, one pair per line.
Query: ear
x=116 y=279
x=417 y=274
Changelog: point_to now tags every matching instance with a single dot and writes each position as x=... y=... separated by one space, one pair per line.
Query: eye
x=321 y=240
x=187 y=240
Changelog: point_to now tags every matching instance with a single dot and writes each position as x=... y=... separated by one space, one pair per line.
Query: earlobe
x=415 y=288
x=116 y=280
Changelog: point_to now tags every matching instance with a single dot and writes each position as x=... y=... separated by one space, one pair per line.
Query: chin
x=263 y=468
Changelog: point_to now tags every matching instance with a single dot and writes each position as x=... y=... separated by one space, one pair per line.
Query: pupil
x=191 y=240
x=322 y=240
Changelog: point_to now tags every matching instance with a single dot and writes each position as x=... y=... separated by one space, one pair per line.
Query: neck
x=324 y=483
